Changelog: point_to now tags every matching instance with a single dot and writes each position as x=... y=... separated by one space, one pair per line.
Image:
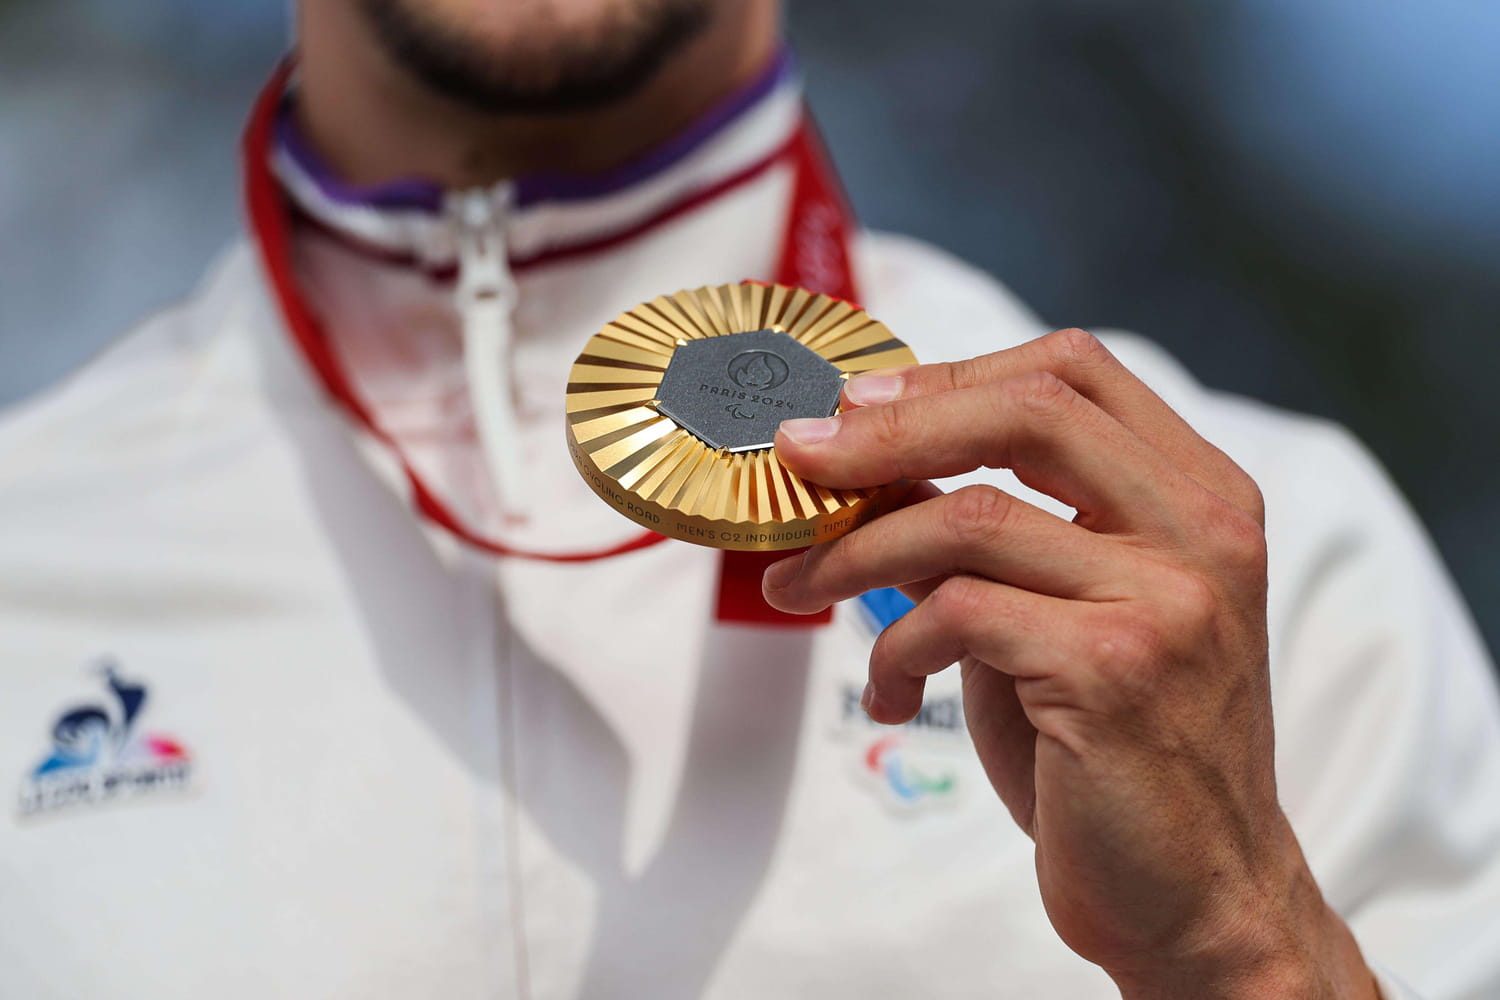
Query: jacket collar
x=415 y=219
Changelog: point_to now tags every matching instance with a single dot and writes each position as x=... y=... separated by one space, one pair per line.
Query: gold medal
x=673 y=406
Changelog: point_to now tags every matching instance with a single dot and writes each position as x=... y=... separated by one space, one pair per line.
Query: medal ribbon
x=814 y=255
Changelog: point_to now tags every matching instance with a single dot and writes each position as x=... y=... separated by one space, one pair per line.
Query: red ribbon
x=814 y=256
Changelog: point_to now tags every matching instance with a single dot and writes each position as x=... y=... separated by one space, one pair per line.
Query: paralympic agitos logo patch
x=917 y=766
x=911 y=768
x=99 y=754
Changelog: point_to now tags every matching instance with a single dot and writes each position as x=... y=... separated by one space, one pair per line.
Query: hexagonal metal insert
x=732 y=392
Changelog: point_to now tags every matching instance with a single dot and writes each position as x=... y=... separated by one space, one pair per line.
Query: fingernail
x=779 y=574
x=810 y=430
x=868 y=698
x=867 y=390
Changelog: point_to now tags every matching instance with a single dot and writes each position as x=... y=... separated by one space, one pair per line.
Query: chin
x=531 y=56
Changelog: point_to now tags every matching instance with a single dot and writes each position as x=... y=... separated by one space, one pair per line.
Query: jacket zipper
x=486 y=300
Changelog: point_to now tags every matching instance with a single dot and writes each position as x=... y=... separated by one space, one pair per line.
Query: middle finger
x=978 y=530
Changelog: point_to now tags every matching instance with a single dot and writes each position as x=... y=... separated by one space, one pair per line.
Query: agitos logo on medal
x=99 y=755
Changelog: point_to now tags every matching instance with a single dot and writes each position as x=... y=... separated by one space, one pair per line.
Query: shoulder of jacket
x=1324 y=487
x=142 y=378
x=148 y=356
x=943 y=307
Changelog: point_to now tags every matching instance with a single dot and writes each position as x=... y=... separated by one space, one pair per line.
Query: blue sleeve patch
x=882 y=607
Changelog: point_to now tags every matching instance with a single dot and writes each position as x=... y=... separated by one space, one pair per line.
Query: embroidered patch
x=908 y=776
x=98 y=755
x=913 y=767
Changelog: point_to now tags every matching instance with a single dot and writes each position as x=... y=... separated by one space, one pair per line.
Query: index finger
x=1054 y=440
x=1079 y=359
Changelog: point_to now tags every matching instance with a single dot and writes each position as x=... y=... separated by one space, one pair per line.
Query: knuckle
x=1238 y=539
x=819 y=563
x=1251 y=500
x=1039 y=393
x=957 y=602
x=962 y=374
x=936 y=377
x=1229 y=480
x=892 y=424
x=1190 y=603
x=1128 y=649
x=1245 y=541
x=970 y=372
x=977 y=514
x=1075 y=348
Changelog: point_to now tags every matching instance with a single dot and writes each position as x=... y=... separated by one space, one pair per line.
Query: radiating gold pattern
x=663 y=477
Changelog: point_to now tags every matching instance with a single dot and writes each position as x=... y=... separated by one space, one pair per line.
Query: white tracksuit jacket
x=272 y=733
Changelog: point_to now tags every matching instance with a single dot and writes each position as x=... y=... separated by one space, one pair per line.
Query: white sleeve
x=1388 y=723
x=1392 y=988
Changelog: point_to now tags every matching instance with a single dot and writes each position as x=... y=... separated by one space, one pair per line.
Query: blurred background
x=1298 y=198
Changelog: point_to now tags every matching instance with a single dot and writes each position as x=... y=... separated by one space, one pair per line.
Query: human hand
x=1114 y=667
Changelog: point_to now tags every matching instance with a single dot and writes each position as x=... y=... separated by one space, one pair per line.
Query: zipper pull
x=486 y=298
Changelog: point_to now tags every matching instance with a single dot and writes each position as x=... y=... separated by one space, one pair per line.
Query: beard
x=536 y=61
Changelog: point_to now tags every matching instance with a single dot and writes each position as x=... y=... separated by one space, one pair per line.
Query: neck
x=372 y=123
